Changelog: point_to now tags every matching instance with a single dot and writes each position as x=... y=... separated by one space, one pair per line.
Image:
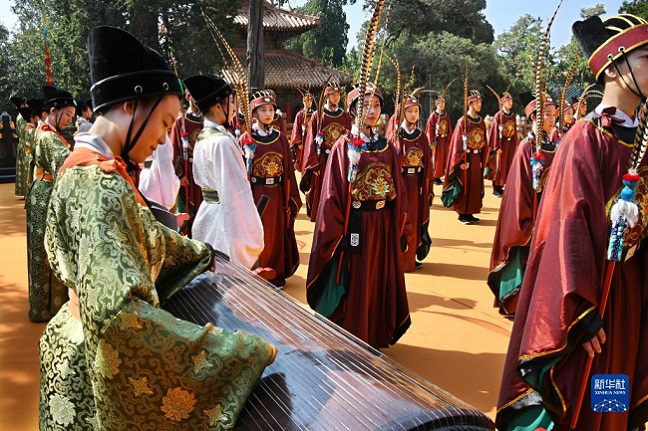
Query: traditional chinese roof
x=285 y=69
x=277 y=19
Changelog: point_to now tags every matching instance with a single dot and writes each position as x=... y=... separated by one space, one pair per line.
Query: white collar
x=93 y=142
x=214 y=125
x=619 y=115
x=406 y=129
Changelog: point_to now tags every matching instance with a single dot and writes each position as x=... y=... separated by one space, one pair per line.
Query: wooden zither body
x=323 y=378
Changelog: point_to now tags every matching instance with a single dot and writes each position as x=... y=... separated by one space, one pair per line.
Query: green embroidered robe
x=127 y=364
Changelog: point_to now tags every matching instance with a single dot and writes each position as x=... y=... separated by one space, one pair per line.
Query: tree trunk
x=255 y=61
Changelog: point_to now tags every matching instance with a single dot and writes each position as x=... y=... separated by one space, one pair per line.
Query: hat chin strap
x=636 y=92
x=130 y=144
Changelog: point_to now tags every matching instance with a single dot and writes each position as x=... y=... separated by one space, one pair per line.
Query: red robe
x=190 y=197
x=272 y=159
x=505 y=140
x=334 y=125
x=370 y=301
x=416 y=161
x=557 y=135
x=472 y=180
x=439 y=132
x=515 y=225
x=300 y=126
x=557 y=308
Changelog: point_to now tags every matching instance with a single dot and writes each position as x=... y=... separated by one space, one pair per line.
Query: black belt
x=265 y=181
x=411 y=170
x=473 y=151
x=369 y=205
x=148 y=164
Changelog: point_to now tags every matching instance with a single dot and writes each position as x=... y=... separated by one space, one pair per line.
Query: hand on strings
x=593 y=346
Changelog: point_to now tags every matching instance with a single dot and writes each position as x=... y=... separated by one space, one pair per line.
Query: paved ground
x=457 y=339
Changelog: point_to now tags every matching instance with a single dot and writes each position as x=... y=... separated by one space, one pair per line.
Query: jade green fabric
x=46 y=293
x=511 y=274
x=22 y=163
x=127 y=364
x=531 y=419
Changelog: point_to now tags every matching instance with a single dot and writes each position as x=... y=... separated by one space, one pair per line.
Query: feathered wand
x=249 y=147
x=355 y=143
x=537 y=158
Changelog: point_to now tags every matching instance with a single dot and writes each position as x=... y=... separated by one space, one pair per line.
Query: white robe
x=159 y=183
x=233 y=225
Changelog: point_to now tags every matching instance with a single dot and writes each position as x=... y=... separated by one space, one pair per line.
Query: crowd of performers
x=100 y=264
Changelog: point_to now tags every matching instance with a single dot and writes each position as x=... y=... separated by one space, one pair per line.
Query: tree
x=328 y=42
x=419 y=17
x=517 y=50
x=588 y=12
x=176 y=29
x=635 y=7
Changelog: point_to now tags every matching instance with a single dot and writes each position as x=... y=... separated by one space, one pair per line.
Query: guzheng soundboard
x=323 y=377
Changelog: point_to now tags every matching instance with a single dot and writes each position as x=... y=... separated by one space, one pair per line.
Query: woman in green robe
x=46 y=293
x=112 y=359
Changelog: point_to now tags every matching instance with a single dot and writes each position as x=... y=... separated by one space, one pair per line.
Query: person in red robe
x=320 y=137
x=557 y=324
x=355 y=273
x=417 y=169
x=439 y=131
x=183 y=137
x=301 y=124
x=564 y=125
x=502 y=142
x=517 y=212
x=271 y=173
x=465 y=163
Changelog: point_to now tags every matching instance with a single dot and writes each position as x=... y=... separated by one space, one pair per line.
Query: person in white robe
x=227 y=219
x=158 y=181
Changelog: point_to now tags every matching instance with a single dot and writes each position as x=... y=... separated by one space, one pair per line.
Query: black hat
x=121 y=69
x=602 y=42
x=55 y=98
x=26 y=113
x=18 y=101
x=207 y=90
x=36 y=106
x=82 y=105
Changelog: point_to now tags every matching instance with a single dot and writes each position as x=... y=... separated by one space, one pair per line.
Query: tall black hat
x=18 y=101
x=121 y=69
x=36 y=106
x=602 y=42
x=207 y=90
x=55 y=98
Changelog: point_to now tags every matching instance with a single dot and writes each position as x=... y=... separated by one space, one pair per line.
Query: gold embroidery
x=140 y=386
x=216 y=415
x=443 y=128
x=414 y=157
x=177 y=404
x=61 y=409
x=200 y=361
x=131 y=321
x=375 y=182
x=268 y=165
x=476 y=139
x=332 y=132
x=509 y=130
x=108 y=361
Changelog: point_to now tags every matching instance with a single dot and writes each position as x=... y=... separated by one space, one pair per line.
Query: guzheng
x=323 y=378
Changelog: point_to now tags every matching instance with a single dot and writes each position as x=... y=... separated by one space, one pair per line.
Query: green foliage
x=463 y=18
x=635 y=7
x=327 y=42
x=182 y=35
x=587 y=12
